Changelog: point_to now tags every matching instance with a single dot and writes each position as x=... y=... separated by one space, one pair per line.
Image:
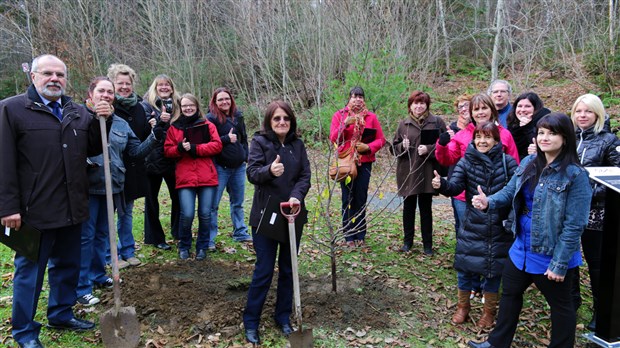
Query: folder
x=429 y=136
x=26 y=241
x=369 y=135
x=274 y=225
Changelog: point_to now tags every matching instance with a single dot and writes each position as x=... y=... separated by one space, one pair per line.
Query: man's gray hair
x=490 y=89
x=35 y=62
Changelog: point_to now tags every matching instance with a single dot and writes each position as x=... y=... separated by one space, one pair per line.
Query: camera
x=165 y=104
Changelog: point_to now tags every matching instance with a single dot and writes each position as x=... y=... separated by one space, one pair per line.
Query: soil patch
x=178 y=301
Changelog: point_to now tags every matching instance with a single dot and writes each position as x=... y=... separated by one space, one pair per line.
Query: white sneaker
x=88 y=300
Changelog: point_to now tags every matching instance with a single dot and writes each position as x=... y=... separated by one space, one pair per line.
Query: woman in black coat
x=526 y=111
x=278 y=167
x=482 y=243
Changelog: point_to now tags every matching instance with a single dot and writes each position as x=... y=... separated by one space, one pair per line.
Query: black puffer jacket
x=294 y=182
x=598 y=150
x=523 y=135
x=156 y=162
x=135 y=176
x=233 y=154
x=482 y=243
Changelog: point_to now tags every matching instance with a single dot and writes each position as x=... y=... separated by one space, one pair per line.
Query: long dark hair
x=533 y=98
x=561 y=124
x=221 y=117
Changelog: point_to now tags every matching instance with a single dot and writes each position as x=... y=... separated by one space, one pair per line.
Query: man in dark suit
x=44 y=140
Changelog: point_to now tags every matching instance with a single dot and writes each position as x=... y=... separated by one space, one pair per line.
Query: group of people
x=515 y=173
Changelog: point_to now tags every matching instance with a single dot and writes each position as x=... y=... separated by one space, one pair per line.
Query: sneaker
x=108 y=283
x=123 y=264
x=212 y=248
x=133 y=261
x=183 y=254
x=201 y=255
x=405 y=248
x=87 y=300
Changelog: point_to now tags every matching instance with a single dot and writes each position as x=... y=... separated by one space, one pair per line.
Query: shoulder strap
x=505 y=169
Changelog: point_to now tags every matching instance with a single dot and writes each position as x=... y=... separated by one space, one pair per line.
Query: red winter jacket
x=194 y=168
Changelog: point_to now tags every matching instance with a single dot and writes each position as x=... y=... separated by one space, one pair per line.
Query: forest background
x=310 y=53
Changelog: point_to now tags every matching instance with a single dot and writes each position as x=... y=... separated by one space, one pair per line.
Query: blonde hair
x=151 y=94
x=121 y=69
x=595 y=105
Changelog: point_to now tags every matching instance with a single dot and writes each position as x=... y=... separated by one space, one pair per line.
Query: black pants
x=354 y=197
x=424 y=201
x=153 y=230
x=558 y=296
x=592 y=244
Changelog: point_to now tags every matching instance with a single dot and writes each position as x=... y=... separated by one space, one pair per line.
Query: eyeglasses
x=188 y=106
x=500 y=91
x=48 y=74
x=463 y=107
x=223 y=99
x=278 y=119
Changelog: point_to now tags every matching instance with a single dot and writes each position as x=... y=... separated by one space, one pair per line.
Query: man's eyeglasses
x=278 y=119
x=48 y=74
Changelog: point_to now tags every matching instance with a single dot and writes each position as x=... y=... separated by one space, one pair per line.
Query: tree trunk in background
x=499 y=24
x=446 y=39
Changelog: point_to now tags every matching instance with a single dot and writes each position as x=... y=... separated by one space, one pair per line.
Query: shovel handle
x=291 y=216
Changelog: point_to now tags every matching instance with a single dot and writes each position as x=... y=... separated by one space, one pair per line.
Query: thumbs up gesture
x=232 y=136
x=531 y=148
x=480 y=201
x=436 y=182
x=276 y=167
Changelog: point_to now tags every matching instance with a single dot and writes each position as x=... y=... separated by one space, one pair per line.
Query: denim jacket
x=560 y=210
x=122 y=142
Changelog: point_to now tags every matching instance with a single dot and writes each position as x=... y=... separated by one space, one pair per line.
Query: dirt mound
x=182 y=300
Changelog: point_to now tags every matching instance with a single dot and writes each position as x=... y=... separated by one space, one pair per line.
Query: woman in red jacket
x=193 y=141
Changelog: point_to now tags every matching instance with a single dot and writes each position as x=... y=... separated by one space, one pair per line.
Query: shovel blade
x=121 y=330
x=301 y=339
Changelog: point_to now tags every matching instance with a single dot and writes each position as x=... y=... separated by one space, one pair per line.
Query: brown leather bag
x=344 y=165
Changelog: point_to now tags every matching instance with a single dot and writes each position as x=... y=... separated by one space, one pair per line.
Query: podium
x=607 y=332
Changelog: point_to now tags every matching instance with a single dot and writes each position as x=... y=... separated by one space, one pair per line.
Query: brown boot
x=462 y=308
x=489 y=310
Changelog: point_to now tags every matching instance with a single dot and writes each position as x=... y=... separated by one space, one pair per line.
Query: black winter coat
x=135 y=176
x=482 y=243
x=43 y=171
x=156 y=162
x=598 y=150
x=294 y=182
x=233 y=154
x=523 y=135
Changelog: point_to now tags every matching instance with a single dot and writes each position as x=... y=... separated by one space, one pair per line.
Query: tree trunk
x=499 y=23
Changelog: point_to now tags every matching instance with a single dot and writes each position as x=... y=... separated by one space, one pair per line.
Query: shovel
x=299 y=338
x=120 y=327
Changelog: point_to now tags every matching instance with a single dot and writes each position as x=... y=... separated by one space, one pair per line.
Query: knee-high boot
x=462 y=308
x=489 y=310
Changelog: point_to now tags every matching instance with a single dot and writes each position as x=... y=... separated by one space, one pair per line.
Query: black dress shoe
x=31 y=344
x=484 y=344
x=592 y=324
x=74 y=324
x=163 y=246
x=201 y=255
x=251 y=336
x=286 y=329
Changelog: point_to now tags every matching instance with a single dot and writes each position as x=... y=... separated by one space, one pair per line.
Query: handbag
x=344 y=165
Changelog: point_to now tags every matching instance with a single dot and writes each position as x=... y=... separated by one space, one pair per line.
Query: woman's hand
x=480 y=200
x=554 y=277
x=531 y=148
x=362 y=148
x=164 y=117
x=232 y=136
x=103 y=109
x=406 y=143
x=186 y=145
x=436 y=182
x=295 y=204
x=276 y=167
x=450 y=131
x=422 y=150
x=350 y=120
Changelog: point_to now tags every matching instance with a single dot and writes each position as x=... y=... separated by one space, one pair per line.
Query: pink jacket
x=340 y=134
x=450 y=154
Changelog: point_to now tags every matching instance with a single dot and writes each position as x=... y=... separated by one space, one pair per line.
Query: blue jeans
x=187 y=200
x=124 y=226
x=233 y=180
x=354 y=196
x=467 y=281
x=458 y=208
x=95 y=241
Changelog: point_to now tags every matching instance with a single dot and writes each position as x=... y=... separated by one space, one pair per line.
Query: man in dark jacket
x=44 y=140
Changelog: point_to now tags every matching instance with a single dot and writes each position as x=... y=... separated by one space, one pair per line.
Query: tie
x=56 y=109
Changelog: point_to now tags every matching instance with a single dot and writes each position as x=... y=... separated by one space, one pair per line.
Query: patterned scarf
x=128 y=102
